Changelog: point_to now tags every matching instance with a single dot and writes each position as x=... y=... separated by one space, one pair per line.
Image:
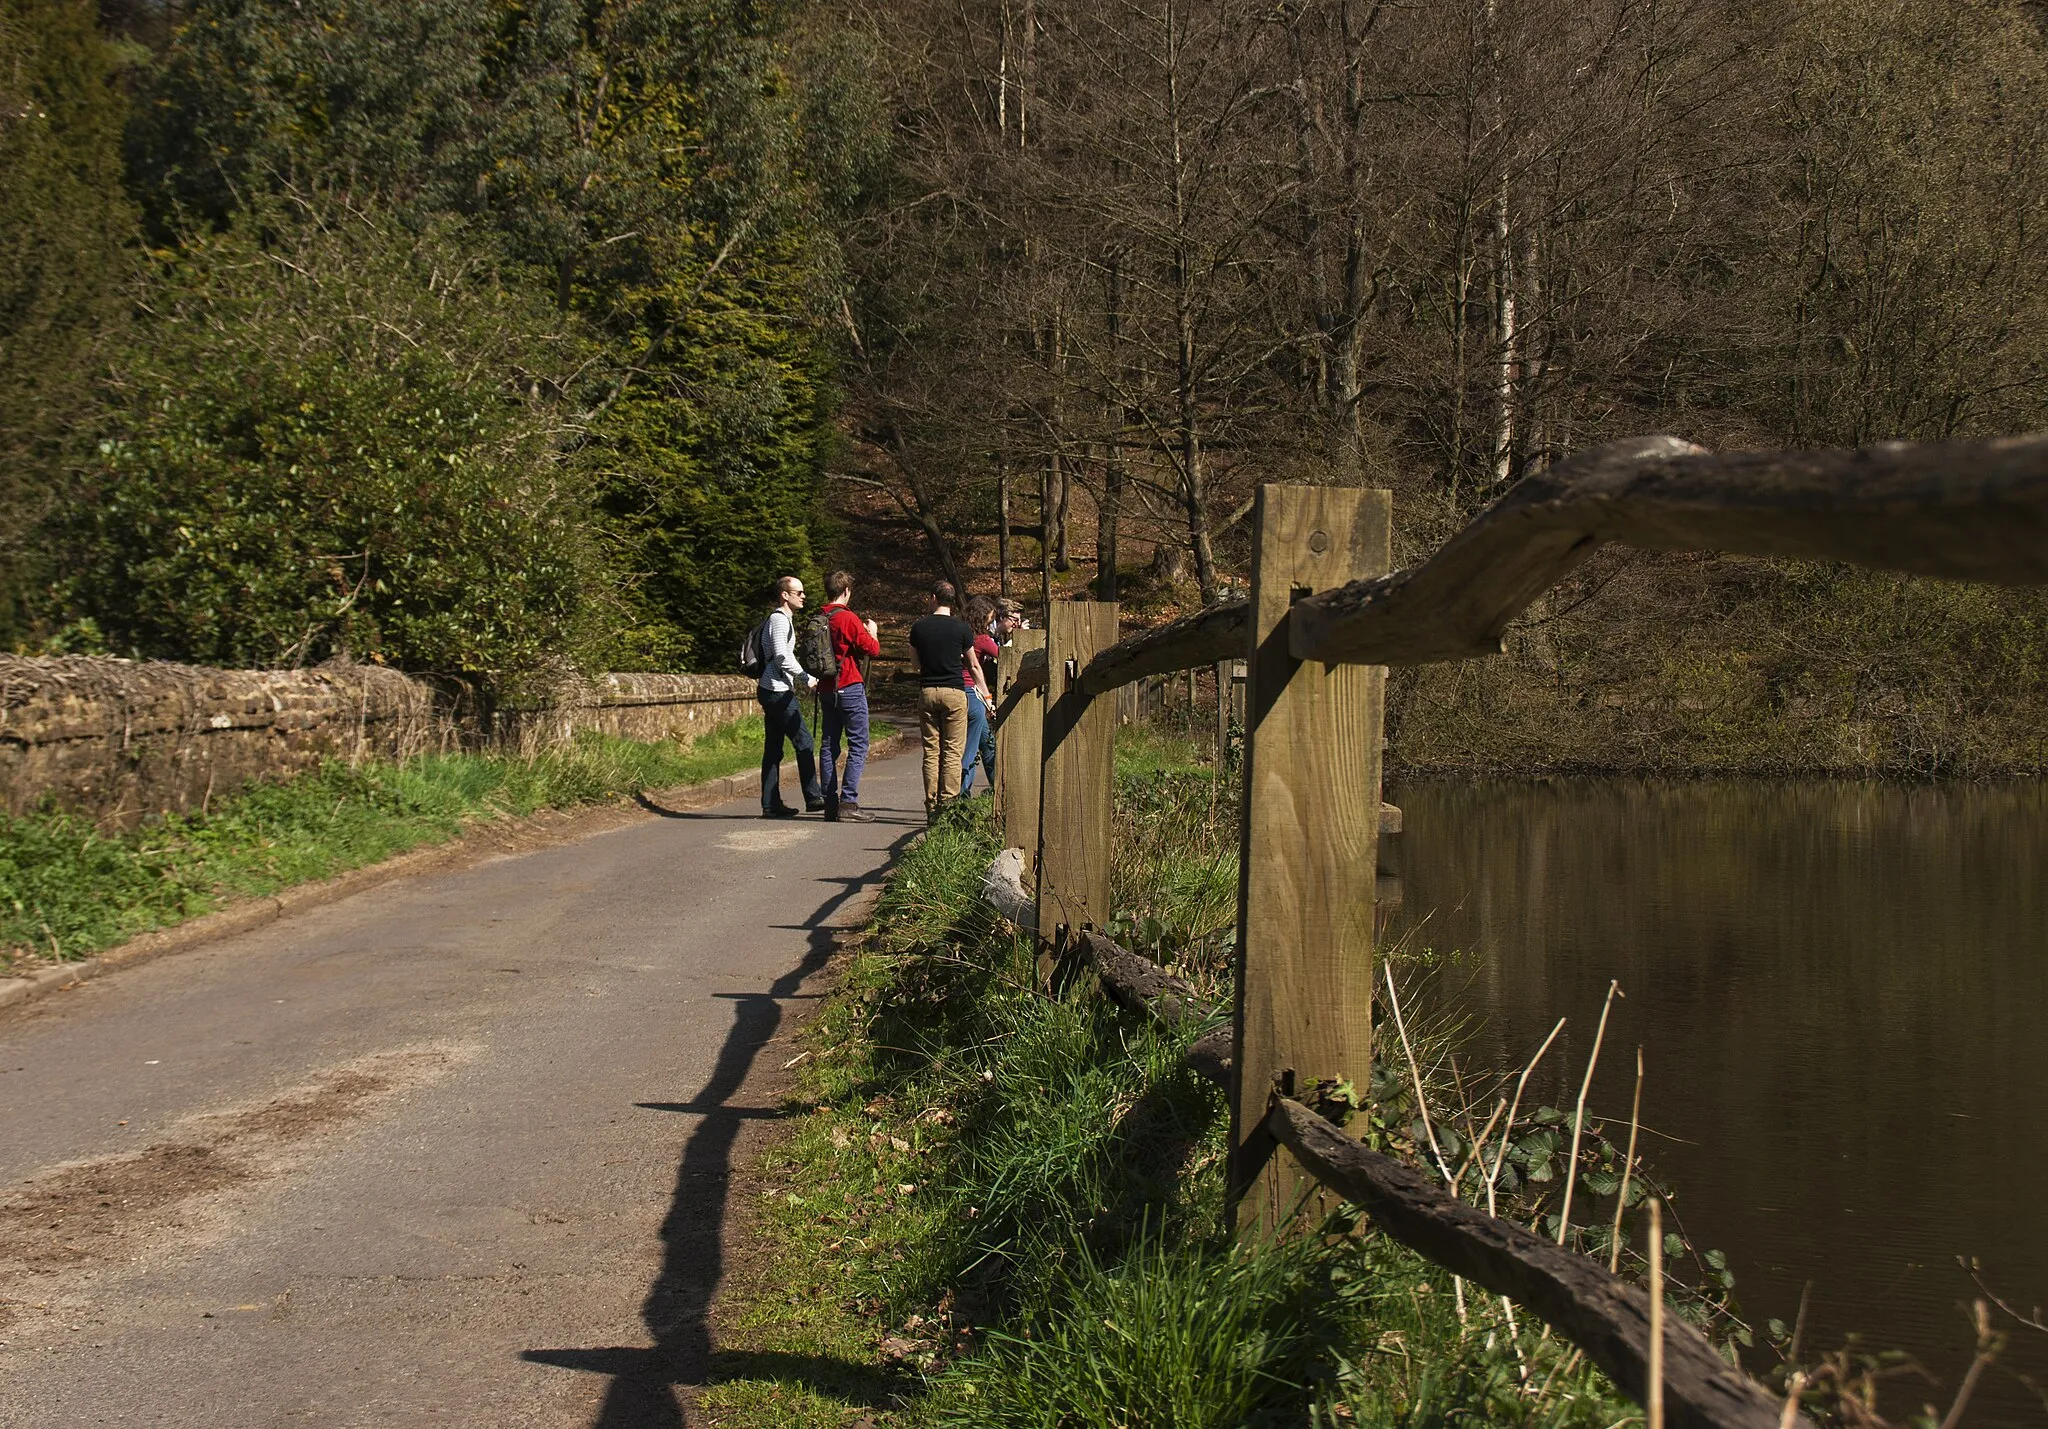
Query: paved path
x=454 y=1151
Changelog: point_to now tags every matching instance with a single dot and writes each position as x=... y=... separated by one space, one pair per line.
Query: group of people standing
x=955 y=660
x=954 y=657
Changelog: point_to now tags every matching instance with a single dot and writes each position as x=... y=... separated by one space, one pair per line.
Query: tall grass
x=1006 y=1210
x=67 y=890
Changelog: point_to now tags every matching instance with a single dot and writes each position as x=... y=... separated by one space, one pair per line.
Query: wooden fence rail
x=1961 y=510
x=1320 y=603
x=1975 y=511
x=1601 y=1314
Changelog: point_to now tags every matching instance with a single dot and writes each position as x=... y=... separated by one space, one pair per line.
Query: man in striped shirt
x=783 y=678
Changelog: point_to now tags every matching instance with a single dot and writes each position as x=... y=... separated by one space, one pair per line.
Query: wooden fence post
x=1020 y=746
x=1310 y=831
x=1077 y=795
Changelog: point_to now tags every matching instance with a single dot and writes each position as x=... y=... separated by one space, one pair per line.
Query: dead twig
x=1990 y=1343
x=1628 y=1164
x=1653 y=1403
x=2035 y=1321
x=1571 y=1167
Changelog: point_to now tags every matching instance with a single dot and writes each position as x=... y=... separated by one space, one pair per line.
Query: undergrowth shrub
x=1007 y=1209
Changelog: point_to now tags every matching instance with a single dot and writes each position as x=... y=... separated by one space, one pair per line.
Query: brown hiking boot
x=852 y=813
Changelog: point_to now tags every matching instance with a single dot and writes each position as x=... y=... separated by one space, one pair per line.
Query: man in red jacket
x=845 y=701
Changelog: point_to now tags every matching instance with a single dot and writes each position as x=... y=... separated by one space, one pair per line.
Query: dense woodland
x=478 y=336
x=475 y=337
x=1145 y=254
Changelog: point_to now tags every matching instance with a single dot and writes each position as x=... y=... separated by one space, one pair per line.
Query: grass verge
x=1003 y=1209
x=67 y=890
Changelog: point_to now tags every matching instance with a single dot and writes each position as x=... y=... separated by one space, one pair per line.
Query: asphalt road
x=455 y=1150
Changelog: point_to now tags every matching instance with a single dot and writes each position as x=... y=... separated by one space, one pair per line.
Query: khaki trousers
x=942 y=720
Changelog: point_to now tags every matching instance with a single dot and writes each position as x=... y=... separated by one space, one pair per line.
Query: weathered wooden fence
x=1323 y=621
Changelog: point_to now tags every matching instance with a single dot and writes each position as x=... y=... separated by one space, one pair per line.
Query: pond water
x=1841 y=990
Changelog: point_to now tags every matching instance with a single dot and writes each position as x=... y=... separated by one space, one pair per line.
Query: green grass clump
x=67 y=890
x=1148 y=752
x=1004 y=1210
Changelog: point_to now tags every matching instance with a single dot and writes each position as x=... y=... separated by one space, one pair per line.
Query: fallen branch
x=1608 y=1319
x=1604 y=1316
x=1210 y=1056
x=1137 y=984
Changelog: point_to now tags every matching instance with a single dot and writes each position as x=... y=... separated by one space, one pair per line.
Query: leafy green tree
x=65 y=228
x=380 y=98
x=691 y=233
x=331 y=435
x=645 y=166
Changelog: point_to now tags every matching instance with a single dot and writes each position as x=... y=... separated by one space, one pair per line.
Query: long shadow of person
x=642 y=1393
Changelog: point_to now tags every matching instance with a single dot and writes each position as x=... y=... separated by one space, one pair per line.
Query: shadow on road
x=642 y=1394
x=907 y=820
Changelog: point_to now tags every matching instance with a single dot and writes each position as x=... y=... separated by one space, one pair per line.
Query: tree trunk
x=1003 y=527
x=1535 y=357
x=1029 y=40
x=1045 y=519
x=1106 y=520
x=1506 y=334
x=1109 y=508
x=921 y=508
x=1507 y=329
x=1055 y=515
x=1003 y=76
x=1061 y=560
x=1193 y=485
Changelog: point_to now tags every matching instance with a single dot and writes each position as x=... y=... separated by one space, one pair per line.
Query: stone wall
x=121 y=740
x=643 y=707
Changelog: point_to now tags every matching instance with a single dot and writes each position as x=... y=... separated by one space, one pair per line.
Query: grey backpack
x=754 y=650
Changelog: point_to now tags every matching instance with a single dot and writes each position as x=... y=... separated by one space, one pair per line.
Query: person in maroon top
x=981 y=704
x=845 y=702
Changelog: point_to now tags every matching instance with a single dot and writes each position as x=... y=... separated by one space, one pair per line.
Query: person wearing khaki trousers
x=942 y=719
x=942 y=649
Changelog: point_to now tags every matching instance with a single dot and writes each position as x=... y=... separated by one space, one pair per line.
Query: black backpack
x=814 y=650
x=754 y=650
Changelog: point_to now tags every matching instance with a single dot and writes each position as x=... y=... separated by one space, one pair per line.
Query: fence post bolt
x=1310 y=829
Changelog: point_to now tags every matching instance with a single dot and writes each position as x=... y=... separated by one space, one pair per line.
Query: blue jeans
x=783 y=718
x=846 y=715
x=981 y=742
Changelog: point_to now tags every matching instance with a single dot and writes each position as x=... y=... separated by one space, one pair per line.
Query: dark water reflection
x=1842 y=990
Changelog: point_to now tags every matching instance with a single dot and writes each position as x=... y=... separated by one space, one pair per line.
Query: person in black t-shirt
x=942 y=647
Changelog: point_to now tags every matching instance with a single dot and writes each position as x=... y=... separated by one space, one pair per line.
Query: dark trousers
x=846 y=717
x=783 y=718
